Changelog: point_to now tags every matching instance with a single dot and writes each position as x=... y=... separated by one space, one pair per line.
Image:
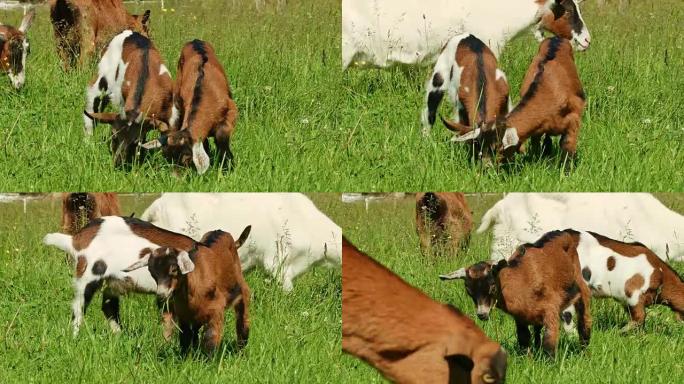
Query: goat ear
x=243 y=236
x=27 y=21
x=184 y=263
x=200 y=158
x=139 y=264
x=510 y=138
x=457 y=274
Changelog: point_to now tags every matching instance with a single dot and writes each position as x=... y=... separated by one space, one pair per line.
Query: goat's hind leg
x=97 y=98
x=84 y=291
x=110 y=308
x=436 y=85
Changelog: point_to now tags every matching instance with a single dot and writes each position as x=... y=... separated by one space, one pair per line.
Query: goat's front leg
x=167 y=319
x=225 y=156
x=568 y=142
x=189 y=335
x=110 y=308
x=213 y=332
x=523 y=332
x=551 y=327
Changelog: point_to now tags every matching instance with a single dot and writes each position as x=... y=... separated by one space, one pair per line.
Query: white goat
x=524 y=217
x=382 y=33
x=289 y=234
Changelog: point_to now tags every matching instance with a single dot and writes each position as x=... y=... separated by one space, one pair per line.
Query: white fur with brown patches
x=118 y=247
x=108 y=67
x=612 y=283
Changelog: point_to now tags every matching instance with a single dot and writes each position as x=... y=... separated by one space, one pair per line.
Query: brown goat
x=83 y=27
x=552 y=104
x=200 y=284
x=14 y=49
x=536 y=286
x=406 y=335
x=205 y=107
x=133 y=77
x=78 y=209
x=443 y=218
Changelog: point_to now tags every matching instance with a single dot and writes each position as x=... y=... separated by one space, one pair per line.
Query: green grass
x=632 y=129
x=305 y=125
x=284 y=68
x=652 y=355
x=294 y=337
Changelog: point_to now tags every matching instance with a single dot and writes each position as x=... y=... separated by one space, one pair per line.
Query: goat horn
x=138 y=264
x=456 y=127
x=457 y=274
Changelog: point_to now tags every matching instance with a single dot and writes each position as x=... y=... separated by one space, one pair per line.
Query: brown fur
x=216 y=113
x=443 y=218
x=155 y=104
x=81 y=266
x=83 y=28
x=406 y=335
x=557 y=105
x=8 y=36
x=611 y=263
x=80 y=208
x=635 y=282
x=199 y=298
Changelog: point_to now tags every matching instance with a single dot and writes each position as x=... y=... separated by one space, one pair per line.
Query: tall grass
x=294 y=337
x=632 y=129
x=386 y=231
x=283 y=67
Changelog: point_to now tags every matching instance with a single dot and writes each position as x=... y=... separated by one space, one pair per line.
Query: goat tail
x=61 y=241
x=489 y=218
x=151 y=213
x=243 y=237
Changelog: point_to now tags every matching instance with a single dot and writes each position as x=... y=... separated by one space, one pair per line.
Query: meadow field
x=294 y=337
x=284 y=69
x=386 y=232
x=632 y=130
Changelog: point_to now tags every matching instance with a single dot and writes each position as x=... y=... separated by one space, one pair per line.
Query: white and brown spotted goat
x=467 y=70
x=132 y=76
x=104 y=249
x=630 y=273
x=14 y=48
x=203 y=108
x=552 y=104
